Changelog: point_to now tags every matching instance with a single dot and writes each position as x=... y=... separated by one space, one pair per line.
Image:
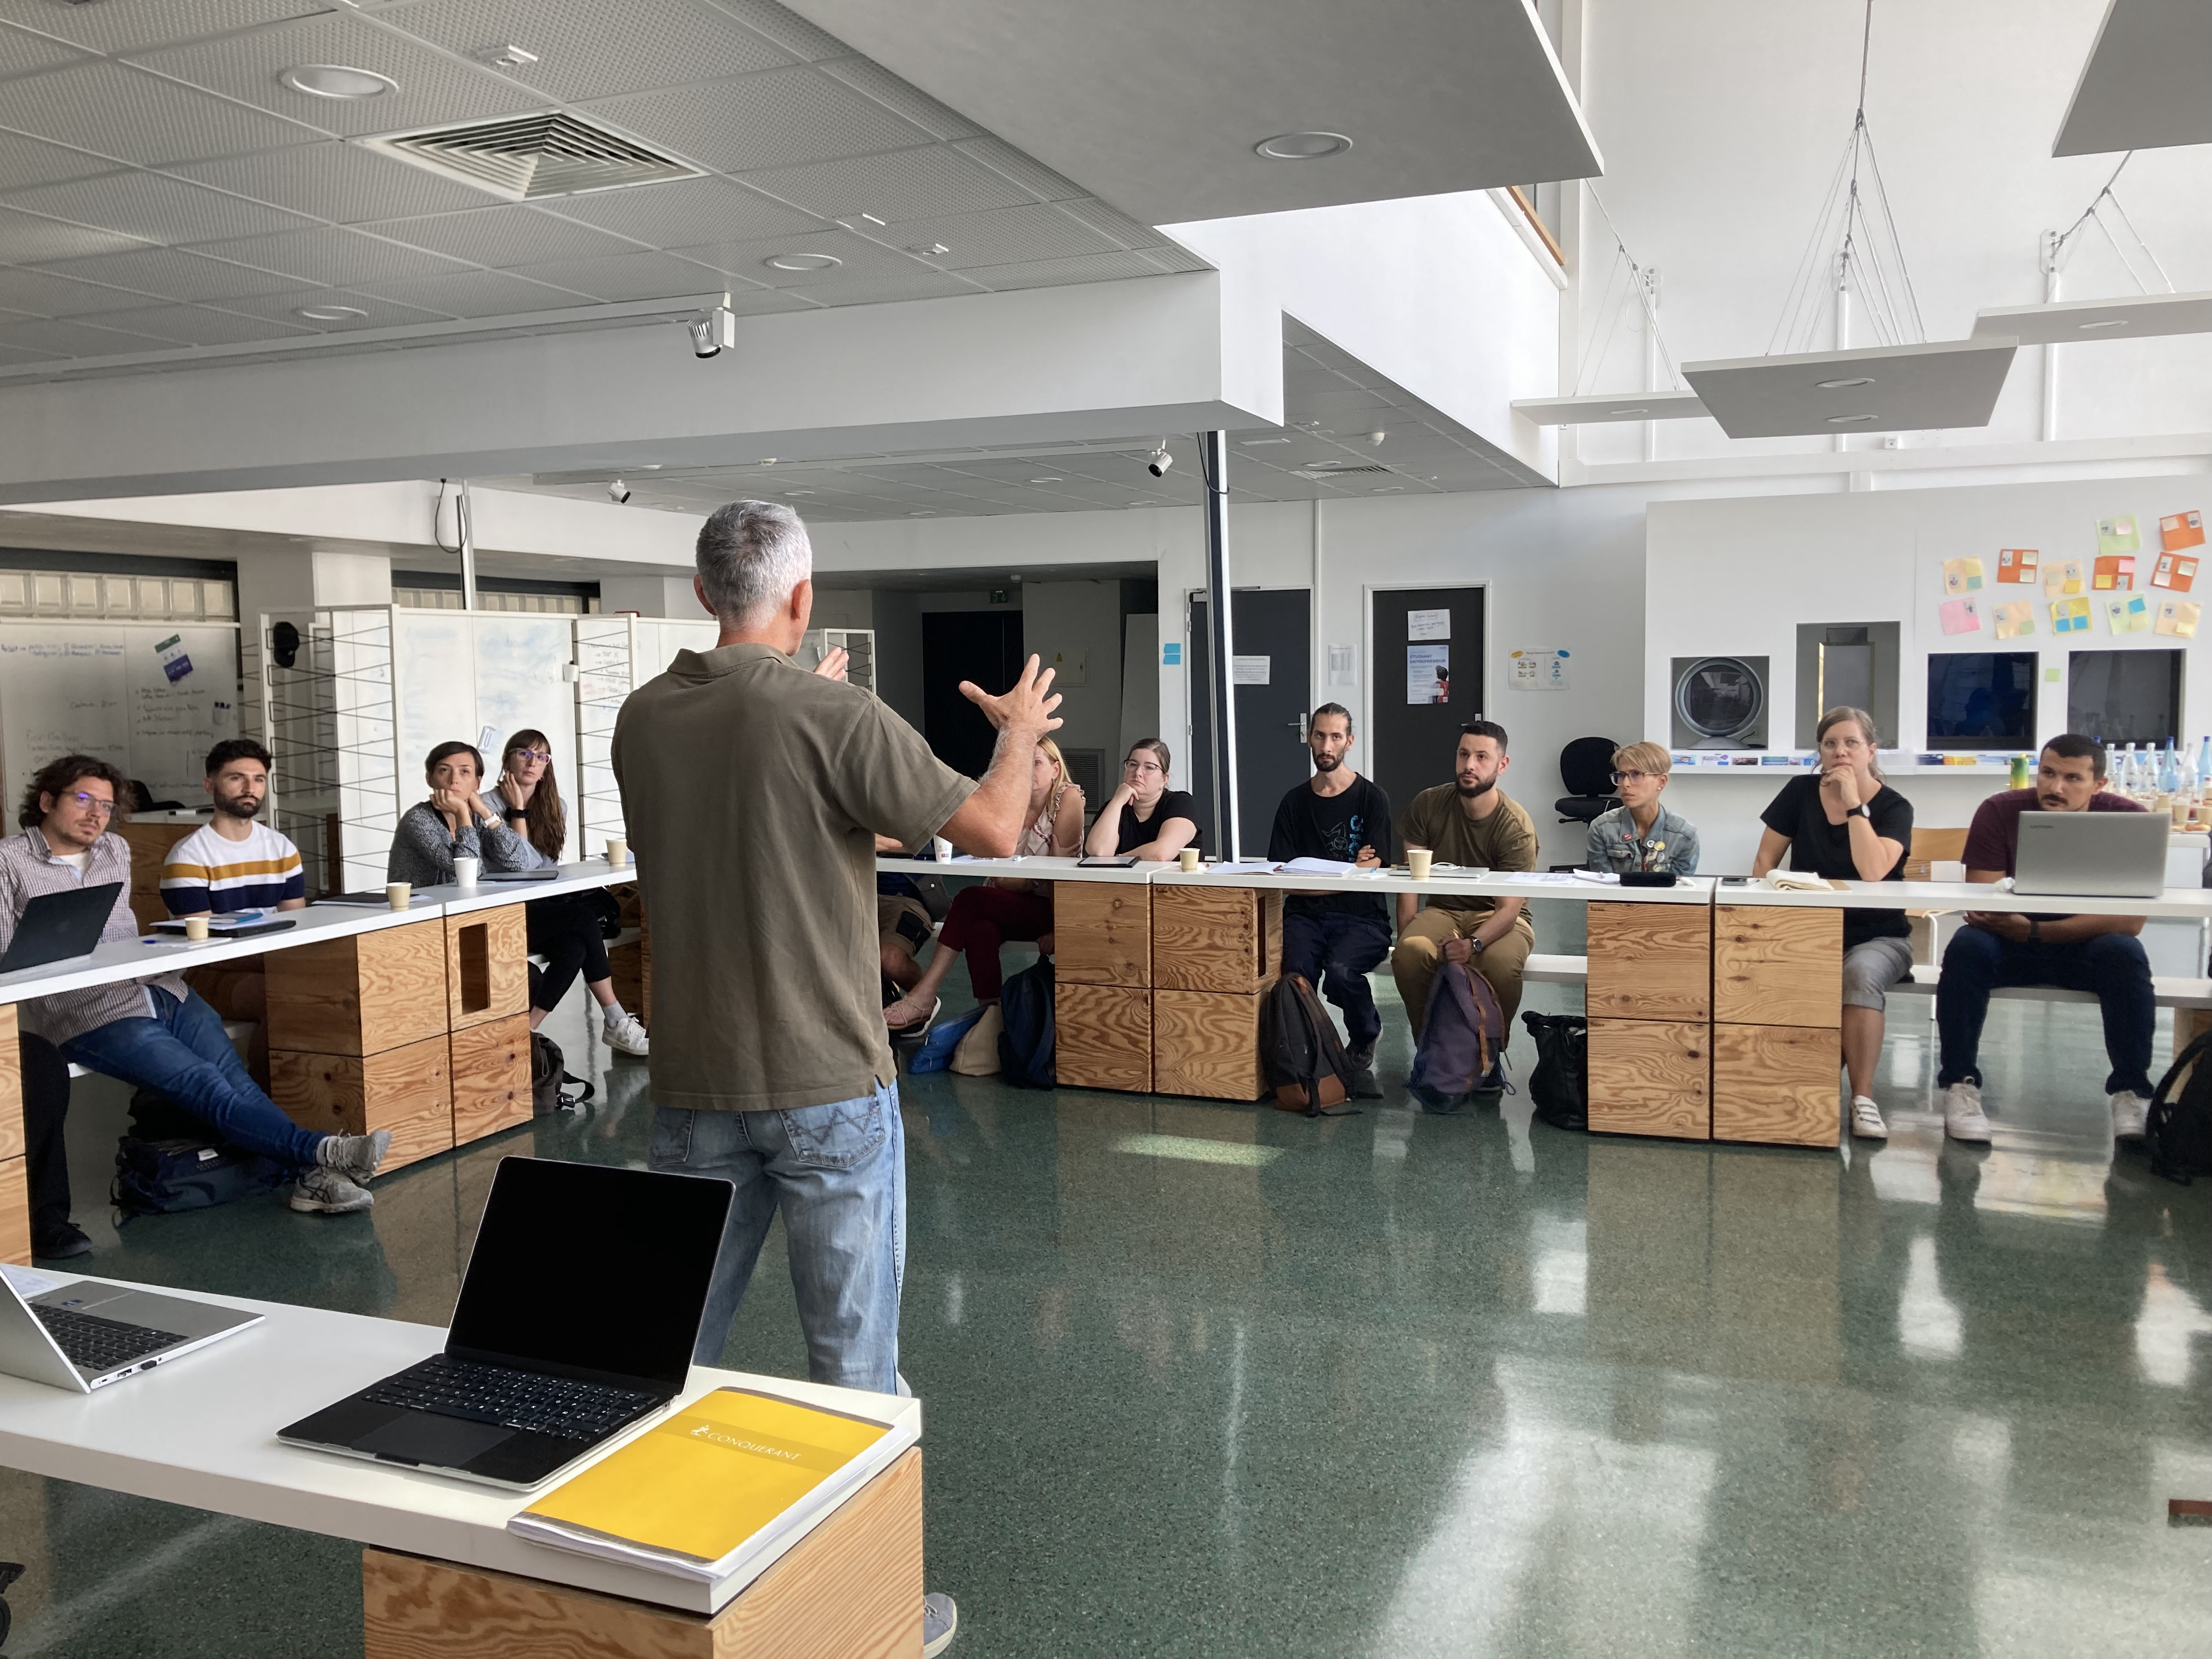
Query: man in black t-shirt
x=1335 y=940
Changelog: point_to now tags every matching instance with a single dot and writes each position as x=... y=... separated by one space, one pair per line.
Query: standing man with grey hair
x=754 y=792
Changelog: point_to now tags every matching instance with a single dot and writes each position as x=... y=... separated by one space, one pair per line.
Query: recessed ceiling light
x=1043 y=481
x=1302 y=146
x=922 y=513
x=795 y=493
x=1388 y=490
x=504 y=56
x=928 y=250
x=1837 y=385
x=1849 y=420
x=1628 y=412
x=1254 y=443
x=337 y=81
x=329 y=313
x=802 y=262
x=2109 y=322
x=765 y=460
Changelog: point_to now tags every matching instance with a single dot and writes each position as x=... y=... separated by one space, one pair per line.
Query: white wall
x=1085 y=616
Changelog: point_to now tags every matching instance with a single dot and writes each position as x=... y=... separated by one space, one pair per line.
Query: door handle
x=1297 y=725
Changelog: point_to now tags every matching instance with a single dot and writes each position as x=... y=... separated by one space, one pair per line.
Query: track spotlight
x=1376 y=439
x=617 y=492
x=1159 y=461
x=712 y=331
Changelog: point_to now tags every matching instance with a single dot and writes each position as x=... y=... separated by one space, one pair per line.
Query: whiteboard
x=150 y=697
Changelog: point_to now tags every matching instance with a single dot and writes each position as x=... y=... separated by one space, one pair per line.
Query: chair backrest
x=1586 y=766
x=1933 y=845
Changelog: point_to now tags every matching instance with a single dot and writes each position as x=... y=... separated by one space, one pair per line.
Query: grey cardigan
x=423 y=849
x=529 y=858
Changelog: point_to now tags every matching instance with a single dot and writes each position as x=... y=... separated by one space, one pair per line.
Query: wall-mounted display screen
x=1981 y=700
x=2124 y=697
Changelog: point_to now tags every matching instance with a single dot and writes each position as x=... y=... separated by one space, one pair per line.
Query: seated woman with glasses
x=1640 y=834
x=1144 y=816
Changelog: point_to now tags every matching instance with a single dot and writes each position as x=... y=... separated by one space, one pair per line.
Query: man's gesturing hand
x=1025 y=710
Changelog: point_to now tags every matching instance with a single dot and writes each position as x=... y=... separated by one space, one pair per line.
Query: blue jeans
x=181 y=1055
x=1334 y=951
x=2110 y=966
x=838 y=1173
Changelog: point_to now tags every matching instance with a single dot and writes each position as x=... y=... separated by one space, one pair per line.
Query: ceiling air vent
x=525 y=157
x=1334 y=472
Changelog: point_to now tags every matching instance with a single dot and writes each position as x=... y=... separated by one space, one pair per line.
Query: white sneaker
x=1866 y=1120
x=2129 y=1110
x=940 y=1619
x=1962 y=1113
x=624 y=1034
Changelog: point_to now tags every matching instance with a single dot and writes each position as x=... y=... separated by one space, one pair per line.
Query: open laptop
x=86 y=1335
x=576 y=1318
x=56 y=926
x=2092 y=855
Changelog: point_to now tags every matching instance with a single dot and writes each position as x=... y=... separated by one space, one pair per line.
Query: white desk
x=1495 y=885
x=2190 y=903
x=1029 y=869
x=201 y=1432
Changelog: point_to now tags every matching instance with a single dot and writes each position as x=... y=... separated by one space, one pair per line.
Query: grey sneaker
x=940 y=1620
x=1963 y=1118
x=354 y=1157
x=625 y=1035
x=325 y=1192
x=2129 y=1111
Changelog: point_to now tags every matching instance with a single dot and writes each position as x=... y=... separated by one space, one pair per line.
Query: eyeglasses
x=1635 y=777
x=93 y=804
x=529 y=754
x=1140 y=766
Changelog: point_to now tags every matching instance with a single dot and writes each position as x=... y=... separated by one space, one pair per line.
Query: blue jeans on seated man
x=2110 y=966
x=838 y=1173
x=1335 y=951
x=182 y=1054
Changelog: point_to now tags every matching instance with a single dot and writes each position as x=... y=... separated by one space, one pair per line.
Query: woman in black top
x=1144 y=816
x=1848 y=825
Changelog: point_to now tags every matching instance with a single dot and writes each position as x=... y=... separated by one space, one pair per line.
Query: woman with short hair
x=1640 y=834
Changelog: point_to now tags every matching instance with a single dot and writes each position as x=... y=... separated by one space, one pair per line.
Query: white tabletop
x=2194 y=903
x=1494 y=884
x=578 y=878
x=201 y=1432
x=1040 y=868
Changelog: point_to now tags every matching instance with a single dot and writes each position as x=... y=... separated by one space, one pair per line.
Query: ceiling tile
x=1175 y=258
x=24 y=53
x=906 y=184
x=1054 y=273
x=501 y=236
x=477 y=294
x=1111 y=222
x=331 y=258
x=195 y=325
x=433 y=87
x=1033 y=176
x=1003 y=236
x=785 y=28
x=377 y=314
x=586 y=52
x=26 y=161
x=154 y=208
x=911 y=102
x=136 y=117
x=26 y=239
x=773 y=118
x=880 y=290
x=49 y=295
x=172 y=274
x=128 y=26
x=64 y=339
x=334 y=180
x=692 y=210
x=856 y=257
x=629 y=277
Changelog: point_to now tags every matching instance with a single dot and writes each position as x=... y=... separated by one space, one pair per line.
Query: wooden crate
x=1650 y=961
x=486 y=966
x=1207 y=1043
x=407 y=1091
x=1216 y=939
x=852 y=1586
x=1777 y=966
x=630 y=965
x=14 y=1210
x=361 y=994
x=1778 y=1083
x=12 y=1144
x=1650 y=1078
x=1101 y=934
x=491 y=1078
x=1102 y=1036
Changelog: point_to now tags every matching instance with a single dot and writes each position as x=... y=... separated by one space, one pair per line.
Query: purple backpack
x=1464 y=1036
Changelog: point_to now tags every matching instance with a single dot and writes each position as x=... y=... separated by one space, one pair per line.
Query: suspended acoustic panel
x=1904 y=388
x=2063 y=322
x=1595 y=409
x=2143 y=86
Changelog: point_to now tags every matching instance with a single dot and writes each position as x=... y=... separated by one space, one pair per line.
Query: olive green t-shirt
x=753 y=792
x=1506 y=840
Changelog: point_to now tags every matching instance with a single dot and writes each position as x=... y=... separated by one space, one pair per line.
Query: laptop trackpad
x=426 y=1438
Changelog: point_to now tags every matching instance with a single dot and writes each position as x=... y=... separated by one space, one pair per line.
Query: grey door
x=1274 y=636
x=1411 y=744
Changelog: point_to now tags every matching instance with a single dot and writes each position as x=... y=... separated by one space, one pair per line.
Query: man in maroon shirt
x=2098 y=954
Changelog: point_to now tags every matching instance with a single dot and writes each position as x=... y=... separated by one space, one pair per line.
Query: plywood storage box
x=150 y=843
x=1101 y=934
x=14 y=1174
x=1102 y=1035
x=1216 y=939
x=407 y=1089
x=487 y=1005
x=1207 y=1043
x=1650 y=1001
x=1778 y=1019
x=491 y=1077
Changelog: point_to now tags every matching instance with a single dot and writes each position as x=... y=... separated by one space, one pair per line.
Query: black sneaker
x=57 y=1241
x=1360 y=1059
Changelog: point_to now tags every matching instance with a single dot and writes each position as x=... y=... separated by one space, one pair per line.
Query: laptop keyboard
x=517 y=1399
x=101 y=1345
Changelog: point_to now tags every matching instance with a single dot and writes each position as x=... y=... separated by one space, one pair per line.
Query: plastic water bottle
x=2130 y=776
x=2204 y=770
x=2169 y=772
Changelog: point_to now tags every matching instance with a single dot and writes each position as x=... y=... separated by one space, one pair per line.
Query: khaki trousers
x=1420 y=954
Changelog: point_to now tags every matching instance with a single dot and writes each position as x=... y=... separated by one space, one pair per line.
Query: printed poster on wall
x=1428 y=674
x=1537 y=670
x=1428 y=624
x=1251 y=670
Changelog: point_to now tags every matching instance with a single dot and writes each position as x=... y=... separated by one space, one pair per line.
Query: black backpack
x=550 y=1079
x=1560 y=1083
x=2177 y=1128
x=162 y=1177
x=1026 y=1045
x=1300 y=1056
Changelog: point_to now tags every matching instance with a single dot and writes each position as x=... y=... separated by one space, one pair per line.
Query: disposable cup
x=617 y=851
x=196 y=929
x=1188 y=857
x=1418 y=861
x=941 y=850
x=397 y=893
x=464 y=872
x=1946 y=870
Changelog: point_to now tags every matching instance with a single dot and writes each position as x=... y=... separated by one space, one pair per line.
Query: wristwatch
x=1476 y=941
x=1863 y=810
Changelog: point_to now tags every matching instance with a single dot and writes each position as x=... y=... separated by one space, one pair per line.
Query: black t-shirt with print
x=1173 y=804
x=1314 y=826
x=1821 y=848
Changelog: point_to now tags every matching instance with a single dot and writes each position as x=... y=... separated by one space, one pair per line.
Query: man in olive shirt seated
x=1468 y=822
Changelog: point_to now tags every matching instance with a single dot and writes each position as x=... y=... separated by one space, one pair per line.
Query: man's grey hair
x=751 y=555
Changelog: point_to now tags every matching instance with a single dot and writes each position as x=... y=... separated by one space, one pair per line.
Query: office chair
x=1586 y=768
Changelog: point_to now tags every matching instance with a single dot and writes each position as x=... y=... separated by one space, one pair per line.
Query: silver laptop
x=85 y=1335
x=2092 y=855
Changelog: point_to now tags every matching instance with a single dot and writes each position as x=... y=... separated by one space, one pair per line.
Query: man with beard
x=1335 y=940
x=230 y=864
x=1471 y=822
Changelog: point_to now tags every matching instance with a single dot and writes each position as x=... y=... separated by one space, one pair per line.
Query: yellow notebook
x=728 y=1475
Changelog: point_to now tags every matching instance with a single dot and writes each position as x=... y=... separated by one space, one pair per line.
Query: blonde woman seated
x=1005 y=908
x=1640 y=834
x=1144 y=816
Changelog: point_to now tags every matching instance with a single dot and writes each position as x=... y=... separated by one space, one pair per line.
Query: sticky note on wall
x=2114 y=573
x=2181 y=529
x=2014 y=618
x=2127 y=613
x=2177 y=619
x=2016 y=564
x=1962 y=616
x=1962 y=575
x=2117 y=534
x=2062 y=578
x=2177 y=573
x=2069 y=615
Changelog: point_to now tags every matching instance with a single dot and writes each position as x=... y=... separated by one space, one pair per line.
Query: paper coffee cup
x=464 y=873
x=1418 y=861
x=397 y=893
x=941 y=850
x=1946 y=870
x=1188 y=857
x=617 y=851
x=196 y=929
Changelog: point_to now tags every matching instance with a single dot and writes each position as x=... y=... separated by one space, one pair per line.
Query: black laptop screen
x=599 y=1268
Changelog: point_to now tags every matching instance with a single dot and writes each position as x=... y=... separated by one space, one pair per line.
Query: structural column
x=1221 y=697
